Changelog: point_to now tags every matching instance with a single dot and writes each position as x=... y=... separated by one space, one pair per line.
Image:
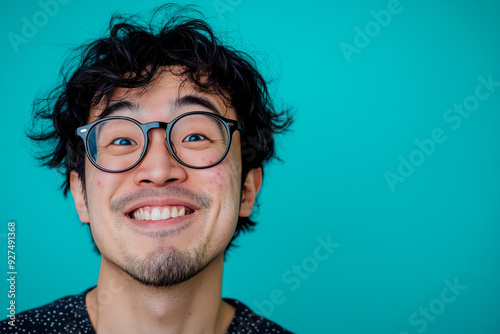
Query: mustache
x=201 y=199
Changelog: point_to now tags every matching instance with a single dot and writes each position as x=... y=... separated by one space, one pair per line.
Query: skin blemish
x=219 y=178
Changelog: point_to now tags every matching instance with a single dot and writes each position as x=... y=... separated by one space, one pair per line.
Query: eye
x=123 y=141
x=194 y=137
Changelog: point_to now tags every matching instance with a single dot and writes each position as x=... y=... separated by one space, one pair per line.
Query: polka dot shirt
x=69 y=315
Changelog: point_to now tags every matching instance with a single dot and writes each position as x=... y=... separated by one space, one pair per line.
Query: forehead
x=167 y=95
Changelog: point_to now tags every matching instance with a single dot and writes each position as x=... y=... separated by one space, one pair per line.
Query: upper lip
x=159 y=202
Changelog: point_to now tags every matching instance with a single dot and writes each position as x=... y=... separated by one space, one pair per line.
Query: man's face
x=119 y=205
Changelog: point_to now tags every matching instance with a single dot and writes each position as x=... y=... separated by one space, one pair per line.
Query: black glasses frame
x=230 y=125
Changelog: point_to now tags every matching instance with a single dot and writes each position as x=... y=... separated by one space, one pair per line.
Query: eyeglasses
x=196 y=139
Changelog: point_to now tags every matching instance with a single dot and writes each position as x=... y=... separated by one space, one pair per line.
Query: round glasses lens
x=199 y=140
x=116 y=144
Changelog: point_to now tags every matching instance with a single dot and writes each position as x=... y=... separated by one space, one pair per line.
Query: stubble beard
x=165 y=267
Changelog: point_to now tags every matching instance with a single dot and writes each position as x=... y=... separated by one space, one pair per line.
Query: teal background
x=355 y=117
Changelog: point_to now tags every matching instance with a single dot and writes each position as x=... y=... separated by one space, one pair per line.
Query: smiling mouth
x=154 y=213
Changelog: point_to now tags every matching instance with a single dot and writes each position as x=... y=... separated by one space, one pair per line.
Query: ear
x=251 y=188
x=77 y=191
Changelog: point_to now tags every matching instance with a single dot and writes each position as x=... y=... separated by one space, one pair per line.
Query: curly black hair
x=130 y=56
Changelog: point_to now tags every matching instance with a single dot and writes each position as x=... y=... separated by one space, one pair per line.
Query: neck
x=120 y=304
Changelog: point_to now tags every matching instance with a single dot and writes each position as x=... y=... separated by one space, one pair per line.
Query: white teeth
x=155 y=214
x=165 y=213
x=174 y=213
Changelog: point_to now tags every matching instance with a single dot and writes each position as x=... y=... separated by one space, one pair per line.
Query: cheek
x=100 y=187
x=225 y=175
x=97 y=183
x=218 y=177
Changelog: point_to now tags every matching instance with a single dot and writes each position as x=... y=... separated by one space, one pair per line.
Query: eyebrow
x=183 y=101
x=119 y=105
x=188 y=100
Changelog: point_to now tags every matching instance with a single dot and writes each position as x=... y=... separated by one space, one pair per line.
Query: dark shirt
x=69 y=315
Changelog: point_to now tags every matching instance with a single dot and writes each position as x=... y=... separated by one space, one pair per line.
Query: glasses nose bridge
x=146 y=128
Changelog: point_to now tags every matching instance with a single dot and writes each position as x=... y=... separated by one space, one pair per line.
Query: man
x=162 y=134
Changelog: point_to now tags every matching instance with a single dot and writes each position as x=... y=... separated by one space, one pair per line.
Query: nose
x=158 y=167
